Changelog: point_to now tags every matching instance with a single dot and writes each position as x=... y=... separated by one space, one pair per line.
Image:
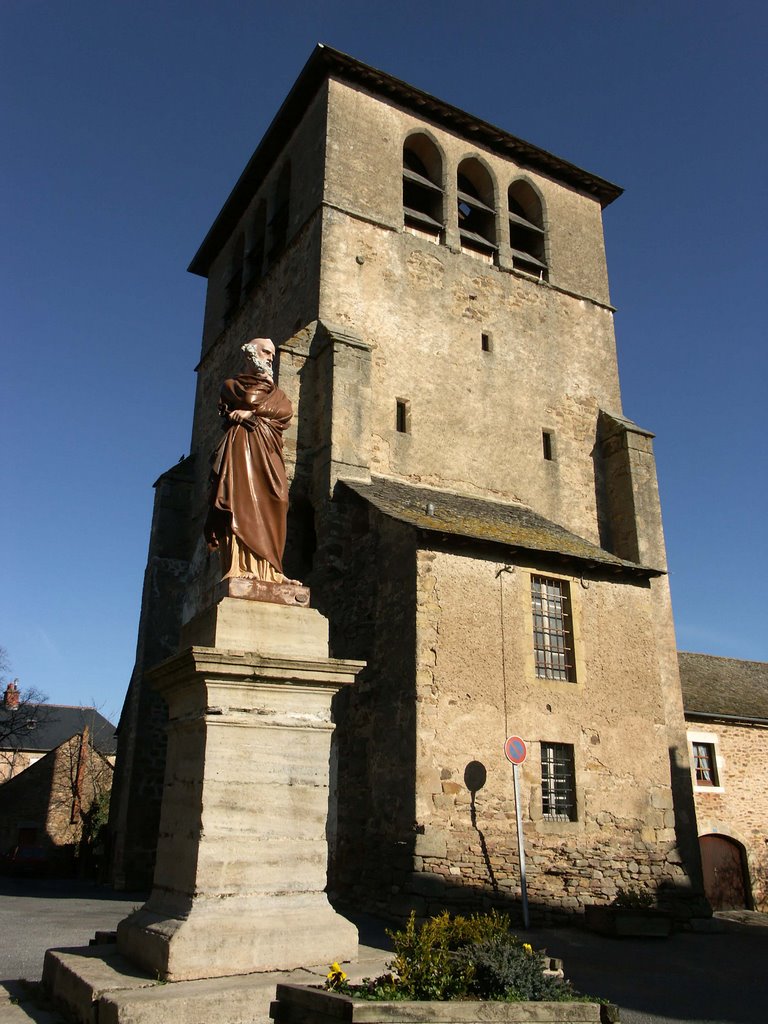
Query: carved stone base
x=258 y=590
x=233 y=935
x=241 y=860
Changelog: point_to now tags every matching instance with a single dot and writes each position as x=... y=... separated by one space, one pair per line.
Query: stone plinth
x=241 y=860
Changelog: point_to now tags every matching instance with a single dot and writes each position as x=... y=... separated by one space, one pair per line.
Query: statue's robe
x=249 y=491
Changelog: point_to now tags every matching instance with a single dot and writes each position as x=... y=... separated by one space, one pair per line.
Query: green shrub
x=505 y=968
x=458 y=957
x=426 y=961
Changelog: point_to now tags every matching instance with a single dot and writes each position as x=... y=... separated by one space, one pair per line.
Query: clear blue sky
x=124 y=126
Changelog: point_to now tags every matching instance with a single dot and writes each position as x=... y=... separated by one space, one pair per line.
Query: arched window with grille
x=526 y=230
x=422 y=188
x=476 y=209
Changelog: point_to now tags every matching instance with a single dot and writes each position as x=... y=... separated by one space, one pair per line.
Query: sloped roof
x=324 y=63
x=723 y=687
x=514 y=526
x=46 y=726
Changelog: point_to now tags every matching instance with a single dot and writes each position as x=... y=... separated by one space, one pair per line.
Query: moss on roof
x=514 y=526
x=723 y=686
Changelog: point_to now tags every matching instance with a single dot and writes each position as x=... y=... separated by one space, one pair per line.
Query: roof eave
x=717 y=716
x=594 y=564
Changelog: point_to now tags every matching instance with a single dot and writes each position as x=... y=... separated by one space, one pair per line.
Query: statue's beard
x=259 y=366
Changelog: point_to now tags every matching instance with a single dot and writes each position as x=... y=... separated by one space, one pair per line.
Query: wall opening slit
x=403 y=416
x=546 y=444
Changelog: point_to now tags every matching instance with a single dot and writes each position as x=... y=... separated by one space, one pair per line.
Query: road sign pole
x=521 y=849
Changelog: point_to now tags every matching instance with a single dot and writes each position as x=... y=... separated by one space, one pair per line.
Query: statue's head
x=260 y=352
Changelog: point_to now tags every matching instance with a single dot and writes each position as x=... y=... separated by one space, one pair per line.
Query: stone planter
x=628 y=922
x=298 y=1004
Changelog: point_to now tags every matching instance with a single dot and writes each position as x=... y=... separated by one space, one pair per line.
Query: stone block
x=105 y=988
x=431 y=843
x=662 y=799
x=313 y=1006
x=427 y=883
x=270 y=629
x=78 y=977
x=221 y=937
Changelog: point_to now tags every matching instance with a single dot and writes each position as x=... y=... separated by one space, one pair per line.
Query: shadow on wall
x=475 y=776
x=685 y=827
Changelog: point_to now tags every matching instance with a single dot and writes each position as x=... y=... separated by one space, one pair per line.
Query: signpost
x=516 y=751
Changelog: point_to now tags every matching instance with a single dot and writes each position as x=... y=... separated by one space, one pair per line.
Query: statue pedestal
x=241 y=861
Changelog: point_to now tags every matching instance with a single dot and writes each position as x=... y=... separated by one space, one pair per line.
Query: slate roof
x=723 y=687
x=49 y=725
x=325 y=62
x=514 y=526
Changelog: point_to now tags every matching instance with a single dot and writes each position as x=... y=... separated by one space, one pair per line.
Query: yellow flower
x=528 y=947
x=336 y=975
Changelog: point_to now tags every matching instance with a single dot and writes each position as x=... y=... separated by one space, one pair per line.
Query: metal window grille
x=558 y=782
x=705 y=764
x=552 y=633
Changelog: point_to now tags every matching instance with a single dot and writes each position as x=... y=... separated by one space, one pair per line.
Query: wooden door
x=722 y=861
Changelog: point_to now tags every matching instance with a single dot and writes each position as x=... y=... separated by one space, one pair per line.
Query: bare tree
x=21 y=712
x=5 y=665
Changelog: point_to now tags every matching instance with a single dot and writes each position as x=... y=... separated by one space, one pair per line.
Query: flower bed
x=299 y=1004
x=449 y=969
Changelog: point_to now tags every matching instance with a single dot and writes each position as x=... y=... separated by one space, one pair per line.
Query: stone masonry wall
x=371 y=613
x=364 y=177
x=423 y=308
x=477 y=684
x=739 y=806
x=552 y=367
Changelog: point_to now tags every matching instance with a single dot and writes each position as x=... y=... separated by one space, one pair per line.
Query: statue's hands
x=240 y=415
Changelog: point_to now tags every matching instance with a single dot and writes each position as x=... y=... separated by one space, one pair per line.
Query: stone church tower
x=471 y=508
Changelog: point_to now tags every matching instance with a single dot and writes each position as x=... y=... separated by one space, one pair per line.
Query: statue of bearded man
x=249 y=491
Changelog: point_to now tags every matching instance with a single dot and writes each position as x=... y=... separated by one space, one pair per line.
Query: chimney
x=11 y=698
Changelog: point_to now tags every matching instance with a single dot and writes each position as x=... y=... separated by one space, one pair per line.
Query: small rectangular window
x=485 y=343
x=546 y=442
x=705 y=764
x=403 y=416
x=558 y=782
x=552 y=629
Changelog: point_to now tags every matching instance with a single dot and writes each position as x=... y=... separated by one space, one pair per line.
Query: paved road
x=40 y=913
x=717 y=978
x=696 y=979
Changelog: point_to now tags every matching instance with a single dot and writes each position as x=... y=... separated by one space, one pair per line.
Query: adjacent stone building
x=473 y=511
x=726 y=708
x=30 y=728
x=56 y=764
